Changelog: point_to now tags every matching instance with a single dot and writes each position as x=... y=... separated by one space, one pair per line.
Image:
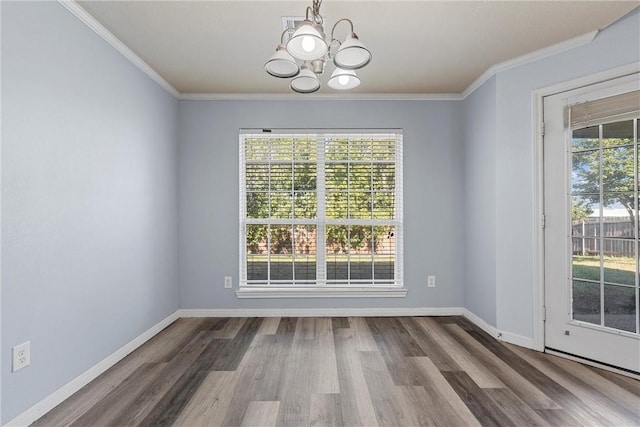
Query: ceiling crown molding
x=320 y=96
x=100 y=30
x=529 y=57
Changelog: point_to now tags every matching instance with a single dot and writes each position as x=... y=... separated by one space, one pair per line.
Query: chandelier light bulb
x=308 y=44
x=343 y=79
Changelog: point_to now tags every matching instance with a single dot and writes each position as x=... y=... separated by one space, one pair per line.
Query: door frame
x=538 y=185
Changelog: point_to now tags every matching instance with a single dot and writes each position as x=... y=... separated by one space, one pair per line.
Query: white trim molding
x=519 y=340
x=322 y=312
x=509 y=337
x=476 y=320
x=80 y=13
x=320 y=97
x=530 y=57
x=64 y=392
x=320 y=292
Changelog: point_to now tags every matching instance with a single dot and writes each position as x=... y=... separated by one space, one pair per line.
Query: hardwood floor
x=407 y=371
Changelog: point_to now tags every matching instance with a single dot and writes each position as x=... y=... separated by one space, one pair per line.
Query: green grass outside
x=617 y=299
x=619 y=270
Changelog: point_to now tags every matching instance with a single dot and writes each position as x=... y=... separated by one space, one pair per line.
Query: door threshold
x=621 y=371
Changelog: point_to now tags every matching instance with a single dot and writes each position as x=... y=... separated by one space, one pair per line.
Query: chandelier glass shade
x=307 y=43
x=304 y=55
x=352 y=54
x=282 y=64
x=305 y=82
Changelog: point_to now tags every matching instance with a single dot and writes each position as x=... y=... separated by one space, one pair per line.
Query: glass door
x=591 y=173
x=604 y=225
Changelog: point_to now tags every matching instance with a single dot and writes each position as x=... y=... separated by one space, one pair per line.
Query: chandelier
x=304 y=55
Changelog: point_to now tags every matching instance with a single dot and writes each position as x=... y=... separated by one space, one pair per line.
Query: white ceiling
x=418 y=47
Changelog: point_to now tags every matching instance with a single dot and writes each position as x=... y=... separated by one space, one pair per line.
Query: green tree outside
x=618 y=169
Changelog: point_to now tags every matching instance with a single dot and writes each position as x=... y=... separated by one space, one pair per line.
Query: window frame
x=319 y=287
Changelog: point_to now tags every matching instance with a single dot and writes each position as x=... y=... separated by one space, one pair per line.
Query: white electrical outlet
x=21 y=356
x=228 y=282
x=431 y=281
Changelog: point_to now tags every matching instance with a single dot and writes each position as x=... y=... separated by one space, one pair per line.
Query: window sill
x=325 y=292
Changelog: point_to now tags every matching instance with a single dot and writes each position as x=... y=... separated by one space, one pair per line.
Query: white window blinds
x=321 y=209
x=605 y=110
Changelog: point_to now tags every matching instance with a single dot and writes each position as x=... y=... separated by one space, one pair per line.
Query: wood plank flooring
x=386 y=371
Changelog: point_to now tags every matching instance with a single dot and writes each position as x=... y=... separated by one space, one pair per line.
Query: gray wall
x=616 y=46
x=480 y=202
x=208 y=194
x=89 y=226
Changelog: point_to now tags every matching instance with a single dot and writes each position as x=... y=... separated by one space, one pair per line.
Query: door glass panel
x=585 y=212
x=586 y=267
x=620 y=269
x=585 y=230
x=620 y=307
x=619 y=133
x=618 y=215
x=617 y=169
x=604 y=222
x=585 y=138
x=585 y=176
x=586 y=301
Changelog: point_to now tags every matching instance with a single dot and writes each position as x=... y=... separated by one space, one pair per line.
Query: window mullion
x=270 y=156
x=373 y=234
x=293 y=210
x=321 y=270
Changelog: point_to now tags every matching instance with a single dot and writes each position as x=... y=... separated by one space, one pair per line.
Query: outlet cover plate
x=21 y=356
x=228 y=282
x=431 y=281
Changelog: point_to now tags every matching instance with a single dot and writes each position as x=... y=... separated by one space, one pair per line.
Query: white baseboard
x=64 y=392
x=322 y=312
x=519 y=340
x=509 y=337
x=480 y=323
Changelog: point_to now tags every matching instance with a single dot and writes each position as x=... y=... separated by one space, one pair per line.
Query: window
x=321 y=214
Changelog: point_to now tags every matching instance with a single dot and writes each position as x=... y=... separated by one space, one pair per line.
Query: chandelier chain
x=316 y=11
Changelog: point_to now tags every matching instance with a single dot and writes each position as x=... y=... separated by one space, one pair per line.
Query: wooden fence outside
x=615 y=239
